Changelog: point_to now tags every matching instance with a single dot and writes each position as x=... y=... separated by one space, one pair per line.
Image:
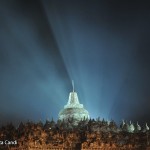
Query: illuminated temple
x=73 y=109
x=81 y=134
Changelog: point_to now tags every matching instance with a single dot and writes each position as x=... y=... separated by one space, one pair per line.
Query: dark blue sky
x=104 y=46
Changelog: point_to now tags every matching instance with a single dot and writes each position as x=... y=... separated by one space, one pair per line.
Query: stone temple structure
x=73 y=109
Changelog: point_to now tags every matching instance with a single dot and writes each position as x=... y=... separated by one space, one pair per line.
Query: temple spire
x=73 y=85
x=73 y=109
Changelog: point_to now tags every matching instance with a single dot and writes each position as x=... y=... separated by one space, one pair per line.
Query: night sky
x=104 y=46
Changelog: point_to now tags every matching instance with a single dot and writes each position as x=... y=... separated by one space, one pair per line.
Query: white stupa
x=130 y=127
x=73 y=109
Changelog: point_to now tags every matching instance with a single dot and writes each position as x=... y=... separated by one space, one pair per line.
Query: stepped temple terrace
x=64 y=135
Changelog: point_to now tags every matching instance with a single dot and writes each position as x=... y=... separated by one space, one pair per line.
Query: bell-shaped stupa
x=73 y=109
